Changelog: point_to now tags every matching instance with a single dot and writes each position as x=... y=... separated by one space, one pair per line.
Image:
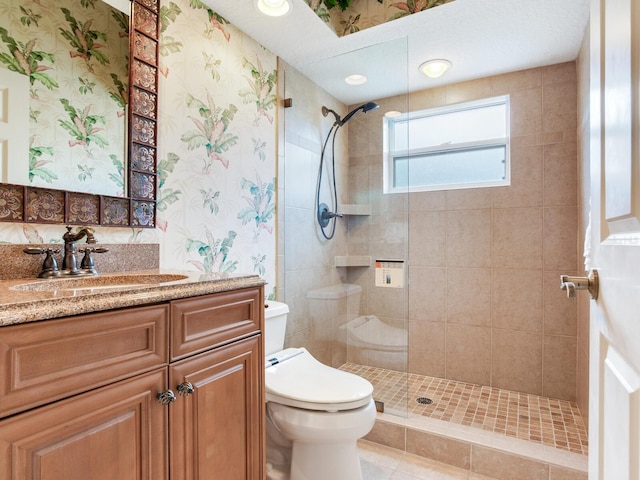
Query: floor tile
x=541 y=420
x=385 y=463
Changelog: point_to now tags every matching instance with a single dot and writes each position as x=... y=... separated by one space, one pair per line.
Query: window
x=458 y=146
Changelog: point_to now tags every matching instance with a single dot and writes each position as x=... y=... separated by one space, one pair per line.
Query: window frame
x=390 y=156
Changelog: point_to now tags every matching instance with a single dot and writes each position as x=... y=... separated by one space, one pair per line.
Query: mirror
x=85 y=134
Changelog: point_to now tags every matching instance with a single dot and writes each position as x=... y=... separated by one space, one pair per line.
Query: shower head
x=340 y=122
x=326 y=111
x=365 y=108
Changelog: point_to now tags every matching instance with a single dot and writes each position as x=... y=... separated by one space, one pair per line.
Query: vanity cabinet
x=79 y=396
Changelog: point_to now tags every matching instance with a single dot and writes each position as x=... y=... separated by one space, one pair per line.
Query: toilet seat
x=302 y=381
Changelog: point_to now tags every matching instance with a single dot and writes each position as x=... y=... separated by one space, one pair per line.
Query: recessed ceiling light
x=435 y=68
x=393 y=114
x=274 y=8
x=356 y=79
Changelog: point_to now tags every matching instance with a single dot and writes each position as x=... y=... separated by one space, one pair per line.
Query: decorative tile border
x=115 y=212
x=143 y=185
x=11 y=203
x=44 y=206
x=143 y=214
x=143 y=158
x=144 y=76
x=143 y=114
x=82 y=209
x=41 y=205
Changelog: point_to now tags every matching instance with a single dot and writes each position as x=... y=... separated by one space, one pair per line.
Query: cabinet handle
x=165 y=398
x=185 y=388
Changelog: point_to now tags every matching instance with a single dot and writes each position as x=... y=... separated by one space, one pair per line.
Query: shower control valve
x=324 y=214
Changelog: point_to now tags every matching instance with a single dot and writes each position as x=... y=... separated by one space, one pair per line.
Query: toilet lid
x=299 y=380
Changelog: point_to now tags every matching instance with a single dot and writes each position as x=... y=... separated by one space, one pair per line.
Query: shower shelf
x=352 y=260
x=354 y=209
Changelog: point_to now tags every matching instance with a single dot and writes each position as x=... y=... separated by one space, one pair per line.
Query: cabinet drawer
x=49 y=360
x=200 y=323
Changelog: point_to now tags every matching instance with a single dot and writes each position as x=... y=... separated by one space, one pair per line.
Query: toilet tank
x=275 y=326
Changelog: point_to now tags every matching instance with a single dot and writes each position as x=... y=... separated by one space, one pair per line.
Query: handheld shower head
x=365 y=108
x=340 y=122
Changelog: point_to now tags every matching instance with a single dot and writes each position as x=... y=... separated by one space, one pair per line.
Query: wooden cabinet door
x=217 y=432
x=115 y=432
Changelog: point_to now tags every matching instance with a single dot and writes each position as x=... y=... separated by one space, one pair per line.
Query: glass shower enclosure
x=348 y=295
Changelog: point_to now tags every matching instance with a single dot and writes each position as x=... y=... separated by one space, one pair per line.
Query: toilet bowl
x=315 y=413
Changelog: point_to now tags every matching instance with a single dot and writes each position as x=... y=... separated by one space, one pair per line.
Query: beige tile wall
x=484 y=303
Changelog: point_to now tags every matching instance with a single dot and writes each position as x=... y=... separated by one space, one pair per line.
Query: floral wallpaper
x=216 y=155
x=361 y=14
x=73 y=54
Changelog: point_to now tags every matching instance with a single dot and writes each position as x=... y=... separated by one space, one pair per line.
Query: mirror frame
x=26 y=204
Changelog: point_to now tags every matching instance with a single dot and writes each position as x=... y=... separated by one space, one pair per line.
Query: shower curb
x=476 y=450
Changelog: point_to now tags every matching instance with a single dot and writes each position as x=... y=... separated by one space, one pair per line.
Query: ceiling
x=480 y=37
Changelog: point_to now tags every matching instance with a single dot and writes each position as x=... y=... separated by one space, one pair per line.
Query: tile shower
x=483 y=304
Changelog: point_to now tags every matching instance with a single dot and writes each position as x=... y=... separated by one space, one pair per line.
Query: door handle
x=590 y=283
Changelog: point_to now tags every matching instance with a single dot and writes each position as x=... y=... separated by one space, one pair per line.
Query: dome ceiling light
x=356 y=79
x=435 y=68
x=274 y=8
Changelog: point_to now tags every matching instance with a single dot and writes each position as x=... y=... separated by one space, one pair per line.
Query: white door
x=614 y=420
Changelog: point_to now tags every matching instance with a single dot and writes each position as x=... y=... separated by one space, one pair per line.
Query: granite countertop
x=31 y=299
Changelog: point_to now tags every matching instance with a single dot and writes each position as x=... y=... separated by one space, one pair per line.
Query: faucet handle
x=87 y=260
x=49 y=266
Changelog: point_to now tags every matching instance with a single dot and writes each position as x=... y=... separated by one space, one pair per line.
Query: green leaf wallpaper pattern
x=74 y=54
x=83 y=40
x=201 y=113
x=261 y=207
x=261 y=89
x=23 y=59
x=211 y=130
x=216 y=213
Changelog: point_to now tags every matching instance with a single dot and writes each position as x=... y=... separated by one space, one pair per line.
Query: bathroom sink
x=98 y=283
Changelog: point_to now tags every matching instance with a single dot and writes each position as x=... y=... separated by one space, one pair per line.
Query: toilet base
x=318 y=445
x=321 y=462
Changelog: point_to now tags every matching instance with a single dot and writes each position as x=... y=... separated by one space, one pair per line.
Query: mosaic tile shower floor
x=551 y=422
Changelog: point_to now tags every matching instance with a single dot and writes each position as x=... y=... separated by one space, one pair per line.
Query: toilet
x=315 y=413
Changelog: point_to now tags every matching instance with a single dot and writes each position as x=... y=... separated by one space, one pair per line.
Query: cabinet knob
x=185 y=388
x=165 y=398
